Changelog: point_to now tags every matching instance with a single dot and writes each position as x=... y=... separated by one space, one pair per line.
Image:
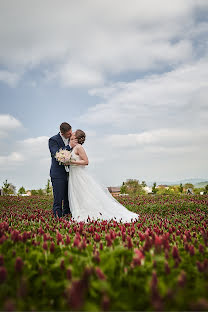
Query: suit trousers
x=60 y=195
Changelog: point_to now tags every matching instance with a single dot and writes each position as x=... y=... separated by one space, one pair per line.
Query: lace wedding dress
x=88 y=199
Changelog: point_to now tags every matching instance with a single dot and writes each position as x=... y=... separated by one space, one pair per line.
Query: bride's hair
x=80 y=136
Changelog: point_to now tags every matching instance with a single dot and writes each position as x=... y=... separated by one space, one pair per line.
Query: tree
x=133 y=187
x=143 y=184
x=5 y=187
x=8 y=188
x=34 y=192
x=48 y=188
x=22 y=190
x=206 y=189
x=40 y=192
x=188 y=185
x=154 y=190
x=180 y=188
x=123 y=189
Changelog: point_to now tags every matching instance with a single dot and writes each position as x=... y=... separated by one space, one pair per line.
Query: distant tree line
x=131 y=187
x=10 y=189
x=134 y=187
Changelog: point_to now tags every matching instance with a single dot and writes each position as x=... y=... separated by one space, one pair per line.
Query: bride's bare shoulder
x=78 y=148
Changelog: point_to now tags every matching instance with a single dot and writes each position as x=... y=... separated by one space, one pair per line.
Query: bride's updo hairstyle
x=80 y=136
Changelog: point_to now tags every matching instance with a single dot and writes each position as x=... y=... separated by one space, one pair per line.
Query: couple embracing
x=76 y=193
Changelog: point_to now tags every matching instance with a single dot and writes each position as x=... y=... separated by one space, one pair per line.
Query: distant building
x=28 y=193
x=163 y=186
x=115 y=191
x=147 y=189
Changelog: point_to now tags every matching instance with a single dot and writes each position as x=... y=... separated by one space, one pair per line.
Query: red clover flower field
x=159 y=262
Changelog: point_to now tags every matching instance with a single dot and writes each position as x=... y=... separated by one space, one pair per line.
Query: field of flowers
x=157 y=263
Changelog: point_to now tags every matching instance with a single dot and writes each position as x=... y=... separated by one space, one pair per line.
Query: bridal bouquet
x=63 y=156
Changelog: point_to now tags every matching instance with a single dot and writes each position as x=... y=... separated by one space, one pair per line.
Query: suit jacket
x=55 y=143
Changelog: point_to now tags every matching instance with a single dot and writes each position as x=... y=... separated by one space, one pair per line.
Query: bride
x=87 y=199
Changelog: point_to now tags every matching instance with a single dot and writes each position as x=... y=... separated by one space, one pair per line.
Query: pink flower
x=1 y=260
x=19 y=264
x=158 y=241
x=45 y=246
x=138 y=257
x=69 y=274
x=108 y=239
x=3 y=274
x=100 y=273
x=129 y=242
x=67 y=240
x=52 y=247
x=175 y=252
x=167 y=268
x=97 y=237
x=191 y=250
x=62 y=265
x=105 y=303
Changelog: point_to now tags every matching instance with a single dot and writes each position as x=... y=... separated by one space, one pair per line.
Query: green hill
x=201 y=184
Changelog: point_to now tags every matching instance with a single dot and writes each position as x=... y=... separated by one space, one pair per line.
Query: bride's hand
x=73 y=161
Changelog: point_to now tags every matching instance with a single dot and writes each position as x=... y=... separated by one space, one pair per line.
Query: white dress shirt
x=66 y=142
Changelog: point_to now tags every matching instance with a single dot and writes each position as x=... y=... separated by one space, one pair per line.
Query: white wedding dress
x=88 y=199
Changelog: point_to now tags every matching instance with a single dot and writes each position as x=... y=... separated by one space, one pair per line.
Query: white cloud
x=31 y=151
x=8 y=124
x=34 y=149
x=11 y=160
x=163 y=138
x=76 y=75
x=29 y=163
x=87 y=42
x=9 y=78
x=172 y=99
x=152 y=128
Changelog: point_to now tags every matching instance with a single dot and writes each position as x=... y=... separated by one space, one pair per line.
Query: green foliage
x=39 y=192
x=206 y=189
x=154 y=190
x=21 y=190
x=189 y=185
x=143 y=184
x=48 y=188
x=132 y=187
x=123 y=189
x=8 y=188
x=181 y=188
x=198 y=190
x=34 y=192
x=201 y=184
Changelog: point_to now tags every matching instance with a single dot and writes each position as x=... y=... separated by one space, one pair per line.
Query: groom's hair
x=65 y=127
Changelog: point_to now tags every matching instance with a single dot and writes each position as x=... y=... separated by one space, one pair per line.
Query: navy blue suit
x=59 y=178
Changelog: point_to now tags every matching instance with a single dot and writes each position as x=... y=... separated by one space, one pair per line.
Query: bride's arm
x=82 y=154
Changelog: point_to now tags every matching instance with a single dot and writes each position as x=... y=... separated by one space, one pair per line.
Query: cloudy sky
x=132 y=74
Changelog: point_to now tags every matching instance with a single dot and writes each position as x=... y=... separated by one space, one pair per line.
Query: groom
x=59 y=173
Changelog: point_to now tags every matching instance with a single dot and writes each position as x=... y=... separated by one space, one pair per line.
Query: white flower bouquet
x=63 y=156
